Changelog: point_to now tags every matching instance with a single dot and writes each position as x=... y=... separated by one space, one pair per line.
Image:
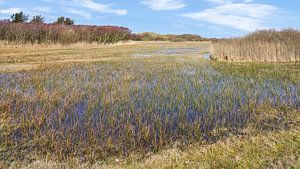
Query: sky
x=208 y=18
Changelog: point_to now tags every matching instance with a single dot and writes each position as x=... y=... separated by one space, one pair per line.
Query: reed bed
x=92 y=111
x=260 y=46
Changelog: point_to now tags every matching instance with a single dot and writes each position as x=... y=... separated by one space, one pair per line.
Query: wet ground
x=202 y=52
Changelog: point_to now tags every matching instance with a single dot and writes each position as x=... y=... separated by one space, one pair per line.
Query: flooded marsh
x=141 y=102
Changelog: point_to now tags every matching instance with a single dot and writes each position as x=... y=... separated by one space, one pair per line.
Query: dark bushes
x=260 y=46
x=22 y=33
x=19 y=17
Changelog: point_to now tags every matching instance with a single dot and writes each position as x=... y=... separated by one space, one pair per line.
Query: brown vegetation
x=23 y=33
x=260 y=46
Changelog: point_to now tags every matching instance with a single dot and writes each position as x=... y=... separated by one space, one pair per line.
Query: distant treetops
x=21 y=17
x=63 y=20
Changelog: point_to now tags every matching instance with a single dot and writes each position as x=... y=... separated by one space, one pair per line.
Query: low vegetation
x=150 y=36
x=116 y=105
x=260 y=46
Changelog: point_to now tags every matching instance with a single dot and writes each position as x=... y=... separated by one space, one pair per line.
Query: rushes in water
x=103 y=109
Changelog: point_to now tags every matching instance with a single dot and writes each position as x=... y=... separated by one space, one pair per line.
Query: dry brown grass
x=260 y=46
x=30 y=57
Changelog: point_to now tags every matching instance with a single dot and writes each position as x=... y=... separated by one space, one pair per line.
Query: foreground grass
x=279 y=149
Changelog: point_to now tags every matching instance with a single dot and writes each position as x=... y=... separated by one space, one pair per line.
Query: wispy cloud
x=99 y=7
x=89 y=5
x=79 y=13
x=42 y=9
x=28 y=11
x=163 y=5
x=228 y=1
x=10 y=10
x=244 y=15
x=218 y=1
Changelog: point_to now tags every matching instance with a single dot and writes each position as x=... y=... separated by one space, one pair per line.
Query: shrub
x=21 y=33
x=38 y=19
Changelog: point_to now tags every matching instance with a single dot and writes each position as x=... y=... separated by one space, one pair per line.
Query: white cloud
x=103 y=8
x=228 y=1
x=219 y=1
x=10 y=10
x=244 y=16
x=89 y=4
x=42 y=9
x=31 y=12
x=79 y=13
x=163 y=5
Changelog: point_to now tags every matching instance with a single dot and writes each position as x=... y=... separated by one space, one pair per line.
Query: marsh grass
x=92 y=111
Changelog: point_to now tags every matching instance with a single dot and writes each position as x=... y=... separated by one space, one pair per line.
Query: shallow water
x=207 y=56
x=170 y=52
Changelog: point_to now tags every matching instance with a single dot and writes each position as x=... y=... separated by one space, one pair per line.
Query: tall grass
x=22 y=33
x=260 y=46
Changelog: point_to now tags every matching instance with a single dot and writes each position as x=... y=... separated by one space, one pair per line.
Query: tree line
x=18 y=31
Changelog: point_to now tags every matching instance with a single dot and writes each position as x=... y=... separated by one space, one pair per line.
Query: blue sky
x=209 y=18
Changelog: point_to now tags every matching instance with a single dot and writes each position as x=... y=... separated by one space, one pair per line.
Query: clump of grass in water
x=94 y=111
